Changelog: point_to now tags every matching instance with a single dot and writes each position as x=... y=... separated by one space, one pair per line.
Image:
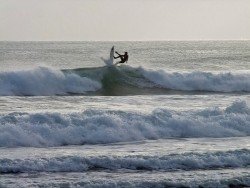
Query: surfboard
x=111 y=57
x=110 y=61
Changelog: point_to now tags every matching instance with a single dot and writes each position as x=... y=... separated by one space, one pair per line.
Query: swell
x=106 y=126
x=173 y=162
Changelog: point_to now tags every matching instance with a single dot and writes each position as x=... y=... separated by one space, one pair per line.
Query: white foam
x=104 y=126
x=44 y=81
x=186 y=161
x=134 y=179
x=200 y=81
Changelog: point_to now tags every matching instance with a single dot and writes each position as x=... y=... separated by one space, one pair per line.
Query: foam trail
x=186 y=161
x=44 y=81
x=199 y=81
x=105 y=126
x=237 y=178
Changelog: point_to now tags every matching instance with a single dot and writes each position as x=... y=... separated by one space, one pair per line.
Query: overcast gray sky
x=124 y=19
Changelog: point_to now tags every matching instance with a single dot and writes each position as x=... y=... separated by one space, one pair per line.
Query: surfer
x=124 y=58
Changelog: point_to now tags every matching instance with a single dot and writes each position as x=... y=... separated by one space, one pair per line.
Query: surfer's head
x=126 y=53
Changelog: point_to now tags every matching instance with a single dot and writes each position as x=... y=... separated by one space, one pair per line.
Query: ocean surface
x=176 y=115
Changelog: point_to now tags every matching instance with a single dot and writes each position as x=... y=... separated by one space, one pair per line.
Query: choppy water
x=177 y=115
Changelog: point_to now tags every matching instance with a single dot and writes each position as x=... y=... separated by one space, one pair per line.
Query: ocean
x=176 y=115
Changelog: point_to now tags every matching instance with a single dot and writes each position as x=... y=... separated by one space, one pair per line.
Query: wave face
x=173 y=162
x=125 y=79
x=44 y=81
x=105 y=126
x=116 y=80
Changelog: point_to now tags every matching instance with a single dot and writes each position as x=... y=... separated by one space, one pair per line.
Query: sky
x=118 y=20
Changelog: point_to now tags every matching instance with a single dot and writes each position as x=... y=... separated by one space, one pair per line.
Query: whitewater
x=176 y=115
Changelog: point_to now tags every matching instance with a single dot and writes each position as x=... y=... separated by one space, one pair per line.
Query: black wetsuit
x=124 y=57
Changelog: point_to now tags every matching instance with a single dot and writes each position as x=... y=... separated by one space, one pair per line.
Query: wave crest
x=104 y=126
x=44 y=81
x=200 y=81
x=174 y=162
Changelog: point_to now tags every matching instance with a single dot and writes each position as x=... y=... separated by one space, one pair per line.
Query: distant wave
x=116 y=80
x=173 y=162
x=105 y=126
x=44 y=81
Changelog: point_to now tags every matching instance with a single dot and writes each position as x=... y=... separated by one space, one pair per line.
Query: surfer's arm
x=117 y=53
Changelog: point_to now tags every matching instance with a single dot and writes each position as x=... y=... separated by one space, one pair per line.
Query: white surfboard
x=110 y=61
x=112 y=53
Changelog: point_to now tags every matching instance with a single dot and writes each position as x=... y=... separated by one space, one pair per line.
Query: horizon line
x=174 y=40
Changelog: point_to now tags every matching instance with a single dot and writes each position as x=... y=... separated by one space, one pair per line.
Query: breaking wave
x=173 y=162
x=200 y=81
x=143 y=179
x=125 y=79
x=116 y=80
x=105 y=126
x=44 y=81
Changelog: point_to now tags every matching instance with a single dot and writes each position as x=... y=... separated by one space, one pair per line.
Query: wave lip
x=186 y=161
x=105 y=126
x=200 y=81
x=44 y=81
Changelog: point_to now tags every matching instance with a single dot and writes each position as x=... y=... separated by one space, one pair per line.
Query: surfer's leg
x=117 y=57
x=122 y=61
x=117 y=62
